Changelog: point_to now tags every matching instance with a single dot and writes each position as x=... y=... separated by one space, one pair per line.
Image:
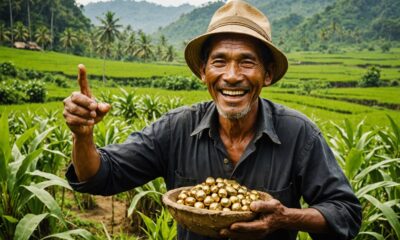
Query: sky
x=161 y=2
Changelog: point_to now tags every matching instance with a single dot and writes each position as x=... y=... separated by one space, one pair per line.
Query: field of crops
x=362 y=125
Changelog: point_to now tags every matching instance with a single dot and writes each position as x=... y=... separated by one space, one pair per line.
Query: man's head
x=237 y=17
x=235 y=68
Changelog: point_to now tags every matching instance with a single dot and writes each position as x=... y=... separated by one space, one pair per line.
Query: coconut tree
x=68 y=39
x=43 y=36
x=169 y=54
x=20 y=32
x=130 y=47
x=4 y=33
x=107 y=32
x=144 y=48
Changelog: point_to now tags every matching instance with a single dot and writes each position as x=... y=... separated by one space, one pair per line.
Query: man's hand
x=81 y=111
x=272 y=217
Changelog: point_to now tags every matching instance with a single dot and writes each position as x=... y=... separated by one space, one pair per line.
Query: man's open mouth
x=233 y=93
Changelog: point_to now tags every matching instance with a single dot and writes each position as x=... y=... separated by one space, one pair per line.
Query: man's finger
x=268 y=206
x=254 y=226
x=83 y=82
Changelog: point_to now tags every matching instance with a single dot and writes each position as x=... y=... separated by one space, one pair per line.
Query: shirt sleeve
x=141 y=158
x=325 y=188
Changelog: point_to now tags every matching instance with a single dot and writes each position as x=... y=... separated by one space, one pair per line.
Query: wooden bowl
x=203 y=221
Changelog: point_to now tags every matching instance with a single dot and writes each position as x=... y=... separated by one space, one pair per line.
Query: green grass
x=390 y=95
x=67 y=64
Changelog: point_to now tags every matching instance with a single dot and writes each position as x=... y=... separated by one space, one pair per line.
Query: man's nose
x=232 y=73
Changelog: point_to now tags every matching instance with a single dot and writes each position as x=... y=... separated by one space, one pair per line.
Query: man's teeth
x=232 y=93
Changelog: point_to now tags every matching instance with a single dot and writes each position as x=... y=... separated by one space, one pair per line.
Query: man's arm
x=81 y=112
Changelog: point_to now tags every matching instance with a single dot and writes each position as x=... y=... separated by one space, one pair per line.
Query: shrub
x=394 y=83
x=372 y=78
x=61 y=81
x=8 y=69
x=32 y=74
x=9 y=94
x=35 y=91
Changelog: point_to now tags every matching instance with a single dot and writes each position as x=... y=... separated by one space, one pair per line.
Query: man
x=238 y=135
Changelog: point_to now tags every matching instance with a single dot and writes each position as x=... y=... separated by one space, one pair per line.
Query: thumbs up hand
x=81 y=111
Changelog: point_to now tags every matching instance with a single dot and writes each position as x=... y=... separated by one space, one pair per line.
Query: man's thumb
x=104 y=107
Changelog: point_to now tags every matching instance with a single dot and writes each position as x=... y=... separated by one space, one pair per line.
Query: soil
x=103 y=213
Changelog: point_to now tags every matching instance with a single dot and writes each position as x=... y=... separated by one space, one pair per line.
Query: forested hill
x=306 y=24
x=66 y=14
x=346 y=21
x=140 y=15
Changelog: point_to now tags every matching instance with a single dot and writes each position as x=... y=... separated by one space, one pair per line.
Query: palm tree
x=4 y=33
x=163 y=41
x=130 y=47
x=107 y=33
x=11 y=23
x=43 y=36
x=20 y=32
x=170 y=54
x=91 y=41
x=144 y=49
x=68 y=39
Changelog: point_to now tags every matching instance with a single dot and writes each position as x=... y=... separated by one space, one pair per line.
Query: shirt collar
x=265 y=123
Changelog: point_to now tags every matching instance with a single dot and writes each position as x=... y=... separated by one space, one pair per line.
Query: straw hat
x=237 y=16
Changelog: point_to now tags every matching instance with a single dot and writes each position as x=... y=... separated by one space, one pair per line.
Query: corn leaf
x=136 y=199
x=47 y=200
x=353 y=162
x=25 y=136
x=10 y=219
x=26 y=163
x=5 y=149
x=361 y=175
x=388 y=212
x=374 y=186
x=35 y=142
x=374 y=234
x=27 y=226
x=56 y=180
x=72 y=234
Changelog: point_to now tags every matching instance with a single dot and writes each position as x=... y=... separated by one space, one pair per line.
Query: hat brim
x=193 y=50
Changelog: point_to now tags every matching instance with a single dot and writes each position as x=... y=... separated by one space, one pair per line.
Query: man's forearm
x=85 y=158
x=306 y=220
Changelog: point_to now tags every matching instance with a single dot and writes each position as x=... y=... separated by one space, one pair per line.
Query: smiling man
x=238 y=135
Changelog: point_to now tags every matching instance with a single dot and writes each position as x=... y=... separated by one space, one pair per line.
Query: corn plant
x=364 y=156
x=151 y=107
x=126 y=106
x=27 y=210
x=163 y=228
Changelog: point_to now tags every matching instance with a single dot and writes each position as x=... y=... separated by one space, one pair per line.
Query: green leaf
x=388 y=212
x=374 y=186
x=25 y=136
x=150 y=224
x=69 y=235
x=56 y=180
x=47 y=200
x=136 y=199
x=361 y=175
x=5 y=149
x=374 y=234
x=27 y=225
x=35 y=142
x=395 y=127
x=10 y=219
x=26 y=163
x=353 y=162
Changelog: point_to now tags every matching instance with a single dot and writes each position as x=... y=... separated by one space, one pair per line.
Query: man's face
x=234 y=74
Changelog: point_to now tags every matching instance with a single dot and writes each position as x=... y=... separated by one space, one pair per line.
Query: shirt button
x=226 y=161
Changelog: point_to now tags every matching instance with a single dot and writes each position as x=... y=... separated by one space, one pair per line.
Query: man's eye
x=247 y=64
x=218 y=63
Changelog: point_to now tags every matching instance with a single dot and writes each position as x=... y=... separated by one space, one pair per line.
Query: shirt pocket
x=285 y=195
x=183 y=181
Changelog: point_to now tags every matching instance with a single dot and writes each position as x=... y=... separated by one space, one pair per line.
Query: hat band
x=241 y=21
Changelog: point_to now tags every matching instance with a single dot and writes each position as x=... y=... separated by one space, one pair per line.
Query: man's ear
x=269 y=75
x=203 y=72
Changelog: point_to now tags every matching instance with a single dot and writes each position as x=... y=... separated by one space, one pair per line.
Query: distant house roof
x=29 y=46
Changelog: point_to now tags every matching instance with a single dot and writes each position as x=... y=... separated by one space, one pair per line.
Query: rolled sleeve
x=91 y=185
x=325 y=188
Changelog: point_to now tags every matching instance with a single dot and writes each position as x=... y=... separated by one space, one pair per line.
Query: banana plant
x=27 y=210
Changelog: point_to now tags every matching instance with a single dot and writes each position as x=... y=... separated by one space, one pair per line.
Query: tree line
x=62 y=27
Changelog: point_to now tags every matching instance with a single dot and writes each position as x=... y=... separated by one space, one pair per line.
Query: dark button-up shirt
x=287 y=158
